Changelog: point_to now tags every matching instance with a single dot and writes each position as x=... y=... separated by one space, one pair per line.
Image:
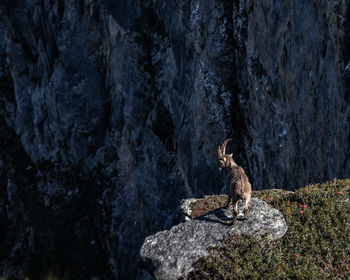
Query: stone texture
x=170 y=254
x=120 y=105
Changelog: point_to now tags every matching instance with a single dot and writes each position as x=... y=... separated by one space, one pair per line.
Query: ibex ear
x=231 y=155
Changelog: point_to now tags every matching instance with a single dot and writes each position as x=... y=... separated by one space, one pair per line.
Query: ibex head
x=225 y=160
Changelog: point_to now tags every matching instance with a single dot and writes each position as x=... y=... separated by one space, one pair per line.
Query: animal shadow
x=218 y=215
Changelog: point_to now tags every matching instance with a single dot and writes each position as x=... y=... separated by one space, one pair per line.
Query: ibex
x=237 y=181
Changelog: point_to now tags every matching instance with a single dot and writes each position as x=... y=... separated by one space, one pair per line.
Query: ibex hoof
x=245 y=214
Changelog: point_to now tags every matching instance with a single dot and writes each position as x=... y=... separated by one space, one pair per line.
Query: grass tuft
x=316 y=245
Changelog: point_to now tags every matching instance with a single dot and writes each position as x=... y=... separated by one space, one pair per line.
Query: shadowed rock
x=170 y=254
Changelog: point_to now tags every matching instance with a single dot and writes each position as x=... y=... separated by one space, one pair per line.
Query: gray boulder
x=170 y=254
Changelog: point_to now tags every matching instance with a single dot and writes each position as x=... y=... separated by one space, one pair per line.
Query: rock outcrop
x=119 y=106
x=169 y=254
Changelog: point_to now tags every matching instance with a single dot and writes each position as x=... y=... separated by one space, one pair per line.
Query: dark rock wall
x=120 y=106
x=293 y=93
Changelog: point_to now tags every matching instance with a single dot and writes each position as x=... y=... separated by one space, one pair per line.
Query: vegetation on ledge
x=316 y=245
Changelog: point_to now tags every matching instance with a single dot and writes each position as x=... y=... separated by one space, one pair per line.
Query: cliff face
x=120 y=106
x=295 y=101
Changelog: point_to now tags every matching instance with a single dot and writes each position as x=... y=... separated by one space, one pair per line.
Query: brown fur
x=237 y=181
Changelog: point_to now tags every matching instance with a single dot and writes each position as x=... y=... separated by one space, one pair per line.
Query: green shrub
x=316 y=245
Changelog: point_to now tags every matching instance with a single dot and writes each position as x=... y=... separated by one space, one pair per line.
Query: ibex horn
x=219 y=151
x=224 y=146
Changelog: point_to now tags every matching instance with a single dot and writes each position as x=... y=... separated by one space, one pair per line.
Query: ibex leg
x=246 y=206
x=235 y=210
x=229 y=200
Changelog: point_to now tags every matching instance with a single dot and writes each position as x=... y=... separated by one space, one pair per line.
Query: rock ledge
x=170 y=254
